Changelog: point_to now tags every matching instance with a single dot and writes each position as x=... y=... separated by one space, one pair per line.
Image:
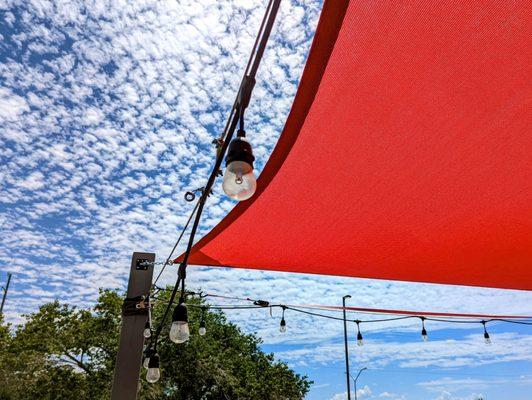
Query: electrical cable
x=241 y=102
x=168 y=259
x=250 y=307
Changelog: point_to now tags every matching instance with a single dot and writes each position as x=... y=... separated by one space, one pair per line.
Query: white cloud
x=471 y=351
x=362 y=393
x=448 y=396
x=12 y=105
x=107 y=122
x=450 y=384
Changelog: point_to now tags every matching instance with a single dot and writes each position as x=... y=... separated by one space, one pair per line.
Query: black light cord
x=240 y=104
x=176 y=244
x=358 y=321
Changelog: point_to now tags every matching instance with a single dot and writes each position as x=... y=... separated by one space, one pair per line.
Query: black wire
x=388 y=319
x=451 y=321
x=248 y=66
x=177 y=242
x=155 y=337
x=509 y=321
x=252 y=66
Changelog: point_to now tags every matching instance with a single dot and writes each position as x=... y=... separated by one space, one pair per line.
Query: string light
x=202 y=329
x=148 y=353
x=282 y=325
x=179 y=331
x=239 y=181
x=360 y=339
x=424 y=335
x=487 y=338
x=147 y=330
x=154 y=373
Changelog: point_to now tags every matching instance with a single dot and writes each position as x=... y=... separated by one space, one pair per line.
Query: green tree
x=63 y=352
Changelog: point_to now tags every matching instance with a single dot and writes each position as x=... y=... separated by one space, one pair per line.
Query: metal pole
x=134 y=317
x=5 y=293
x=346 y=350
x=356 y=379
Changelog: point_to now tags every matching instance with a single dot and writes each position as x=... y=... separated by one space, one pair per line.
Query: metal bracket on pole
x=134 y=317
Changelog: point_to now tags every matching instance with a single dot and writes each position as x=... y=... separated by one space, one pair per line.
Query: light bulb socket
x=486 y=335
x=149 y=353
x=239 y=150
x=423 y=332
x=180 y=313
x=147 y=325
x=359 y=336
x=202 y=323
x=154 y=361
x=283 y=322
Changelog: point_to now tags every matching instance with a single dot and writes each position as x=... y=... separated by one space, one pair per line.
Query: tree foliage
x=63 y=352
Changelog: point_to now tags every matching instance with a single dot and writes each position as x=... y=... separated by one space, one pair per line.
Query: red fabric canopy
x=407 y=153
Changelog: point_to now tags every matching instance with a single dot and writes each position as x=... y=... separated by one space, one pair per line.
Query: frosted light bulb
x=179 y=331
x=360 y=340
x=154 y=373
x=487 y=338
x=282 y=326
x=202 y=331
x=147 y=329
x=239 y=181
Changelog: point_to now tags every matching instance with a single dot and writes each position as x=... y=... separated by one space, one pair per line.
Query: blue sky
x=107 y=113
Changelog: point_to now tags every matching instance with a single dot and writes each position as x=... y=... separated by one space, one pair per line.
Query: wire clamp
x=138 y=305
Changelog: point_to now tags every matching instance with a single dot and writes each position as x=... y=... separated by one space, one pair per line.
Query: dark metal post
x=5 y=293
x=346 y=349
x=134 y=317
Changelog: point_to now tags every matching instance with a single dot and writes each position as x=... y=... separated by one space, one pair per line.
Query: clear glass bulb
x=202 y=331
x=239 y=181
x=147 y=333
x=146 y=362
x=153 y=375
x=179 y=332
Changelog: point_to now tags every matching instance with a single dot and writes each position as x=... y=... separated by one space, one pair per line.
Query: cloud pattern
x=107 y=113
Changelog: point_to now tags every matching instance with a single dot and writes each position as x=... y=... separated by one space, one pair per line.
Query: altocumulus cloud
x=107 y=113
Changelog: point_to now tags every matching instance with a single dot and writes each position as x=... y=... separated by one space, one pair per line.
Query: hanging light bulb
x=424 y=335
x=154 y=373
x=147 y=355
x=487 y=338
x=202 y=330
x=282 y=325
x=239 y=181
x=147 y=330
x=360 y=339
x=179 y=331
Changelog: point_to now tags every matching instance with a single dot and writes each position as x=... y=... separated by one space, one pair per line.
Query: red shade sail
x=407 y=153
